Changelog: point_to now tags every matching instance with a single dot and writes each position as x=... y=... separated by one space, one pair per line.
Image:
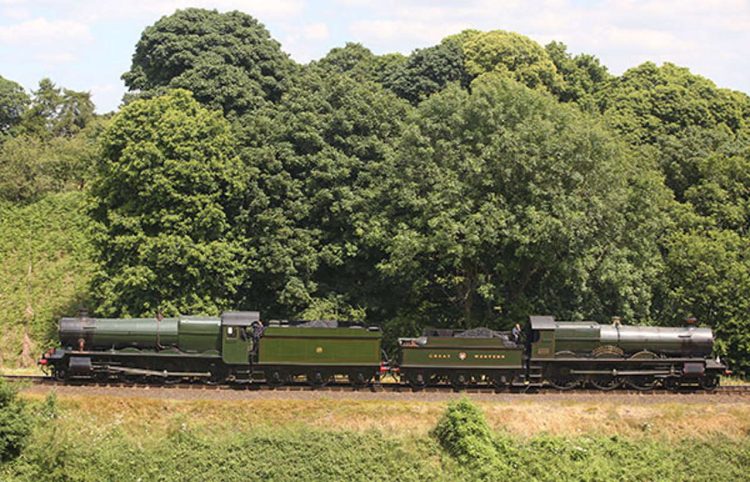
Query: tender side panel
x=319 y=346
x=461 y=354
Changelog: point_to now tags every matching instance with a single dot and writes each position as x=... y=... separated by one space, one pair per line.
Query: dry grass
x=21 y=371
x=670 y=421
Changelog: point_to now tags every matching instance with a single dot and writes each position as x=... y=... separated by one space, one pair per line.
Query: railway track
x=731 y=390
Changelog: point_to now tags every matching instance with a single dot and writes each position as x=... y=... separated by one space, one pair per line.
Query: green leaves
x=13 y=104
x=228 y=60
x=168 y=194
x=501 y=202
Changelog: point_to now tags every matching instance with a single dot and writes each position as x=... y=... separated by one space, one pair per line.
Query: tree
x=648 y=102
x=53 y=146
x=228 y=60
x=57 y=112
x=709 y=277
x=501 y=202
x=15 y=423
x=583 y=74
x=13 y=104
x=512 y=55
x=313 y=176
x=429 y=70
x=168 y=194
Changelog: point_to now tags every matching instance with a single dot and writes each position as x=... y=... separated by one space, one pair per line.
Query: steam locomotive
x=238 y=348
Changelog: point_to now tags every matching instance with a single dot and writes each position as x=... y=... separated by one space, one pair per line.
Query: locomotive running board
x=165 y=374
x=622 y=372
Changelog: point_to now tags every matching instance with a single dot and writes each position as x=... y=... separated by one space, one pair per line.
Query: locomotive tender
x=238 y=348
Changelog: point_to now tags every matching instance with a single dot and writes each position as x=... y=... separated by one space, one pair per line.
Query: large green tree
x=501 y=202
x=509 y=54
x=169 y=190
x=648 y=102
x=698 y=134
x=313 y=176
x=57 y=112
x=228 y=60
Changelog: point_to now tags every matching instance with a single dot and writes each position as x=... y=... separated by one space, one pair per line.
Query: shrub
x=15 y=423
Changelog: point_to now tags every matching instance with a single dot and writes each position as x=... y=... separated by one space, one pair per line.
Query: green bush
x=15 y=424
x=463 y=433
x=481 y=455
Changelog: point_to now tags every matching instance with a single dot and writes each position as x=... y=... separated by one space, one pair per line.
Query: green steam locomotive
x=238 y=348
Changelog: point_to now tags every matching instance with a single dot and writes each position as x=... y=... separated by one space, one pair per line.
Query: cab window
x=231 y=332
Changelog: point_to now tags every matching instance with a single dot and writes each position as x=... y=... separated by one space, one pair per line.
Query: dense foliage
x=228 y=61
x=167 y=194
x=47 y=263
x=471 y=182
x=15 y=423
x=502 y=201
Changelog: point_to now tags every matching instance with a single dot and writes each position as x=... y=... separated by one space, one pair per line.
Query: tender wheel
x=459 y=381
x=276 y=379
x=709 y=383
x=317 y=379
x=416 y=380
x=358 y=379
x=499 y=381
x=605 y=383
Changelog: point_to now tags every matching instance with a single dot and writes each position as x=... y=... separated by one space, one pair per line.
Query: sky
x=87 y=44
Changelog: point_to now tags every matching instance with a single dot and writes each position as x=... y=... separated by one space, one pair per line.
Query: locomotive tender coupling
x=238 y=347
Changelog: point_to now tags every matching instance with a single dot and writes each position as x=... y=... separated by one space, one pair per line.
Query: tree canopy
x=167 y=195
x=510 y=54
x=228 y=60
x=481 y=226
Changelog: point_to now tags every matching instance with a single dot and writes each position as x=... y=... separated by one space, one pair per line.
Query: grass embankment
x=45 y=267
x=110 y=438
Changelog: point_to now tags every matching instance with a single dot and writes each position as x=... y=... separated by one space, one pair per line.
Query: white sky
x=87 y=44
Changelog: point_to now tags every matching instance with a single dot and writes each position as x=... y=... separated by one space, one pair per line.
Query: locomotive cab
x=237 y=336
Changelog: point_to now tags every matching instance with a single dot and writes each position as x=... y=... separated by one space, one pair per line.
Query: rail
x=733 y=390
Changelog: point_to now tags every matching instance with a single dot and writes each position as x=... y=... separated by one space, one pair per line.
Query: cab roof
x=542 y=322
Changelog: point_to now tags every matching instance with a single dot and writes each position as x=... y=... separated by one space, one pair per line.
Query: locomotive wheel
x=709 y=383
x=61 y=374
x=136 y=379
x=100 y=376
x=564 y=383
x=642 y=383
x=416 y=380
x=671 y=384
x=605 y=383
